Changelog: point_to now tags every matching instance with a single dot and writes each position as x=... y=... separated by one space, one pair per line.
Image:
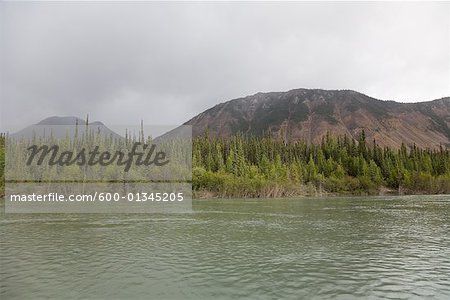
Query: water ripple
x=396 y=248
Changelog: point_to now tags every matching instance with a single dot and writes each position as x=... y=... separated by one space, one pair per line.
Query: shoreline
x=203 y=195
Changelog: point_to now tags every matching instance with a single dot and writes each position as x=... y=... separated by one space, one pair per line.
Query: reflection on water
x=397 y=247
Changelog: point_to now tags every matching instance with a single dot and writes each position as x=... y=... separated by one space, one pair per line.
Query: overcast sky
x=166 y=62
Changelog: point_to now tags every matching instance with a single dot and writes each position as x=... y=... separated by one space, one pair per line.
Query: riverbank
x=307 y=192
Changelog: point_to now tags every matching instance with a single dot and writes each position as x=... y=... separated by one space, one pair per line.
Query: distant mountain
x=60 y=127
x=69 y=120
x=308 y=114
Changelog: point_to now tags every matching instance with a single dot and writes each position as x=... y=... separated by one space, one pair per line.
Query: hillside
x=308 y=114
x=60 y=127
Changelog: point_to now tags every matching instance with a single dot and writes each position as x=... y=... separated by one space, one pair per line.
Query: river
x=310 y=248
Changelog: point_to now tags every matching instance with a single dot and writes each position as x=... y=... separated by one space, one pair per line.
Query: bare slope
x=308 y=114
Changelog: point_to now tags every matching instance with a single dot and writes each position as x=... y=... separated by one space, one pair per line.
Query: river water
x=372 y=247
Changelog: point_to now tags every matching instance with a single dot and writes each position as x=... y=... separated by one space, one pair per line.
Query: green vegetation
x=265 y=167
x=2 y=164
x=92 y=156
x=65 y=160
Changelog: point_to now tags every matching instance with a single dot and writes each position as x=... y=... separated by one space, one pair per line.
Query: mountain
x=308 y=114
x=60 y=127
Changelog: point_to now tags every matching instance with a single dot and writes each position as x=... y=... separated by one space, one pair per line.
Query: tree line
x=252 y=166
x=2 y=164
x=243 y=166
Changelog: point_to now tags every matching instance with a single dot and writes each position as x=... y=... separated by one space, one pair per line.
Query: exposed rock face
x=308 y=114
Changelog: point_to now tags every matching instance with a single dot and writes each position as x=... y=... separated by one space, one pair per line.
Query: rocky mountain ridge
x=309 y=114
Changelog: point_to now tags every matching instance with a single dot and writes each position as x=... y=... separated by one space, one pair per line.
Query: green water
x=397 y=247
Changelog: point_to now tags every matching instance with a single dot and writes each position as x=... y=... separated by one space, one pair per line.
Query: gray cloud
x=166 y=62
